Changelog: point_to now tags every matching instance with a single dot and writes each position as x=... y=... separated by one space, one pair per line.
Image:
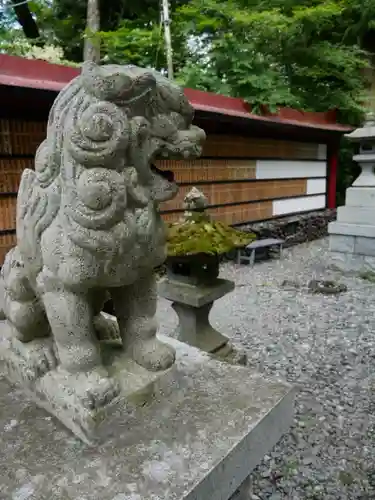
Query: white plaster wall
x=316 y=186
x=286 y=169
x=293 y=205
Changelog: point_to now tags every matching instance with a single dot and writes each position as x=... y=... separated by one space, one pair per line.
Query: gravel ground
x=323 y=344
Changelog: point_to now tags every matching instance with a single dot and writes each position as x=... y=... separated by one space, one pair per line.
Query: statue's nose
x=200 y=134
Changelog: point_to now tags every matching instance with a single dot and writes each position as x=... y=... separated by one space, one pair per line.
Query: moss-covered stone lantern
x=194 y=247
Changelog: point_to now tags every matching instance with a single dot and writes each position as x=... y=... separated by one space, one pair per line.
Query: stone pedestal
x=193 y=304
x=61 y=394
x=352 y=235
x=199 y=440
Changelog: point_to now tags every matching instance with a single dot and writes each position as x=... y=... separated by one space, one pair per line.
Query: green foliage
x=304 y=54
x=141 y=44
x=201 y=235
x=278 y=56
x=134 y=45
x=300 y=53
x=368 y=276
x=65 y=22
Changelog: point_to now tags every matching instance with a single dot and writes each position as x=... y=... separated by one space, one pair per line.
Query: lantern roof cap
x=366 y=132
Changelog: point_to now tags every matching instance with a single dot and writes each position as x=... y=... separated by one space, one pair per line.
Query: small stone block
x=341 y=243
x=344 y=228
x=347 y=262
x=200 y=441
x=195 y=296
x=364 y=246
x=369 y=264
x=356 y=215
x=360 y=197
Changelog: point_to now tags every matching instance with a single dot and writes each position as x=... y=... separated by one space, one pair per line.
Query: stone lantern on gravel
x=365 y=137
x=352 y=235
x=192 y=283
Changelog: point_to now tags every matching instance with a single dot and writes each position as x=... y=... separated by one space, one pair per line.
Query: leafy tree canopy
x=309 y=54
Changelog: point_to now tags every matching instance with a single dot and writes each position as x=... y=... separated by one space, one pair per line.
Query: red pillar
x=332 y=164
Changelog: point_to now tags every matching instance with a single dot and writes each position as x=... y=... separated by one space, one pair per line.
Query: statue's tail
x=10 y=266
x=2 y=298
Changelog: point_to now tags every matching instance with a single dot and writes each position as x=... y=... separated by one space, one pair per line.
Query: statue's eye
x=163 y=127
x=179 y=121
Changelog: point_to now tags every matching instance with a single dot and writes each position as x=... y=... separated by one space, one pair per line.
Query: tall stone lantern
x=352 y=235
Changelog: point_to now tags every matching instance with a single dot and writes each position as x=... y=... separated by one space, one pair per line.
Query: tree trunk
x=26 y=20
x=368 y=43
x=91 y=51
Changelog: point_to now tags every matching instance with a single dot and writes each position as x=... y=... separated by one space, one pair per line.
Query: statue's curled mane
x=101 y=130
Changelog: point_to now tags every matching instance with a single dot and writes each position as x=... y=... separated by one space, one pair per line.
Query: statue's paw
x=38 y=355
x=153 y=354
x=95 y=389
x=44 y=356
x=107 y=329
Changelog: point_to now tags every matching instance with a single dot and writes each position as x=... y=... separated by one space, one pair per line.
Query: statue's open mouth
x=163 y=185
x=168 y=175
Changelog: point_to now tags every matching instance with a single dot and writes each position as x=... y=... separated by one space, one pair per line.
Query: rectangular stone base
x=344 y=228
x=195 y=296
x=356 y=215
x=350 y=262
x=64 y=395
x=198 y=440
x=360 y=197
x=352 y=252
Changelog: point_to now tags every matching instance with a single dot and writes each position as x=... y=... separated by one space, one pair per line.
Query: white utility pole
x=167 y=37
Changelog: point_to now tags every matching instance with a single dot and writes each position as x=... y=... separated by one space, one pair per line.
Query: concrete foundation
x=198 y=439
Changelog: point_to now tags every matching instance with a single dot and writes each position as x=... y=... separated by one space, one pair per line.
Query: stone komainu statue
x=88 y=224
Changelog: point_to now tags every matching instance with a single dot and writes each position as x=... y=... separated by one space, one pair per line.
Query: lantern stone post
x=352 y=235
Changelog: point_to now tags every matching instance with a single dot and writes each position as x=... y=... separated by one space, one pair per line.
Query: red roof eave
x=19 y=81
x=274 y=119
x=38 y=74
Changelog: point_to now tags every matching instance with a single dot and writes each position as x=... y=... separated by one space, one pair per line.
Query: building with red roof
x=253 y=167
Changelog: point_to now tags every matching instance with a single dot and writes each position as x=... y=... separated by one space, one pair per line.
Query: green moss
x=346 y=478
x=368 y=276
x=199 y=234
